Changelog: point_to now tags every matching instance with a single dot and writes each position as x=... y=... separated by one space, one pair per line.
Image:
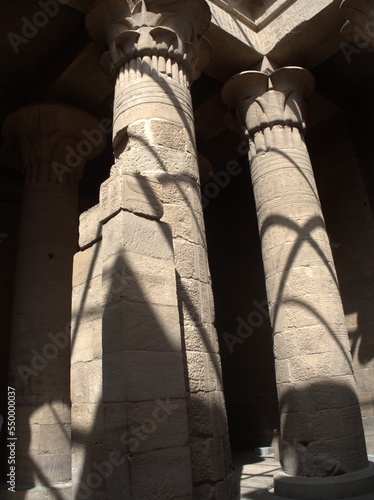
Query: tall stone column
x=156 y=50
x=321 y=425
x=54 y=144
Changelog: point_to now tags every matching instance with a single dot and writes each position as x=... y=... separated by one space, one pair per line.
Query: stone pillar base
x=356 y=484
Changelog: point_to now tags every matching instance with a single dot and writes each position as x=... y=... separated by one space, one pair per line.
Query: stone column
x=54 y=141
x=321 y=425
x=155 y=52
x=358 y=30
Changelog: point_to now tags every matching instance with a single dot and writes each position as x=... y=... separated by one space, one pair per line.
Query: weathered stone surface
x=87 y=264
x=305 y=307
x=86 y=381
x=138 y=278
x=157 y=424
x=190 y=261
x=89 y=227
x=204 y=467
x=133 y=193
x=197 y=301
x=204 y=371
x=151 y=286
x=161 y=474
x=138 y=235
x=200 y=337
x=185 y=224
x=88 y=423
x=138 y=326
x=207 y=417
x=86 y=303
x=139 y=376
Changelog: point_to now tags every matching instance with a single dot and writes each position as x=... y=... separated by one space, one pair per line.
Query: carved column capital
x=266 y=104
x=152 y=36
x=359 y=27
x=55 y=141
x=262 y=100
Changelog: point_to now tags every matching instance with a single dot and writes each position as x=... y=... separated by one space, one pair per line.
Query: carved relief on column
x=359 y=27
x=156 y=50
x=269 y=110
x=155 y=46
x=311 y=345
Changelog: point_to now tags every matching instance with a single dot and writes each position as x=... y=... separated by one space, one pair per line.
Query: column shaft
x=321 y=424
x=40 y=354
x=154 y=58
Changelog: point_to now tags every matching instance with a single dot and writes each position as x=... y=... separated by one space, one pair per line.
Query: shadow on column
x=132 y=429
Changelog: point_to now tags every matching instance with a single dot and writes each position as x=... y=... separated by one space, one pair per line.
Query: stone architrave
x=53 y=143
x=155 y=50
x=321 y=425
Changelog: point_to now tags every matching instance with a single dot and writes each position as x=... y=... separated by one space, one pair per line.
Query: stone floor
x=254 y=475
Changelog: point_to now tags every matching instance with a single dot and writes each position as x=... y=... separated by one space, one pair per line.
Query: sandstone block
x=155 y=425
x=139 y=376
x=207 y=460
x=86 y=304
x=185 y=224
x=87 y=423
x=181 y=191
x=166 y=134
x=54 y=439
x=202 y=338
x=140 y=278
x=89 y=227
x=161 y=474
x=129 y=232
x=86 y=381
x=59 y=468
x=303 y=368
x=197 y=301
x=191 y=261
x=87 y=264
x=204 y=371
x=283 y=372
x=130 y=192
x=136 y=326
x=199 y=415
x=87 y=341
